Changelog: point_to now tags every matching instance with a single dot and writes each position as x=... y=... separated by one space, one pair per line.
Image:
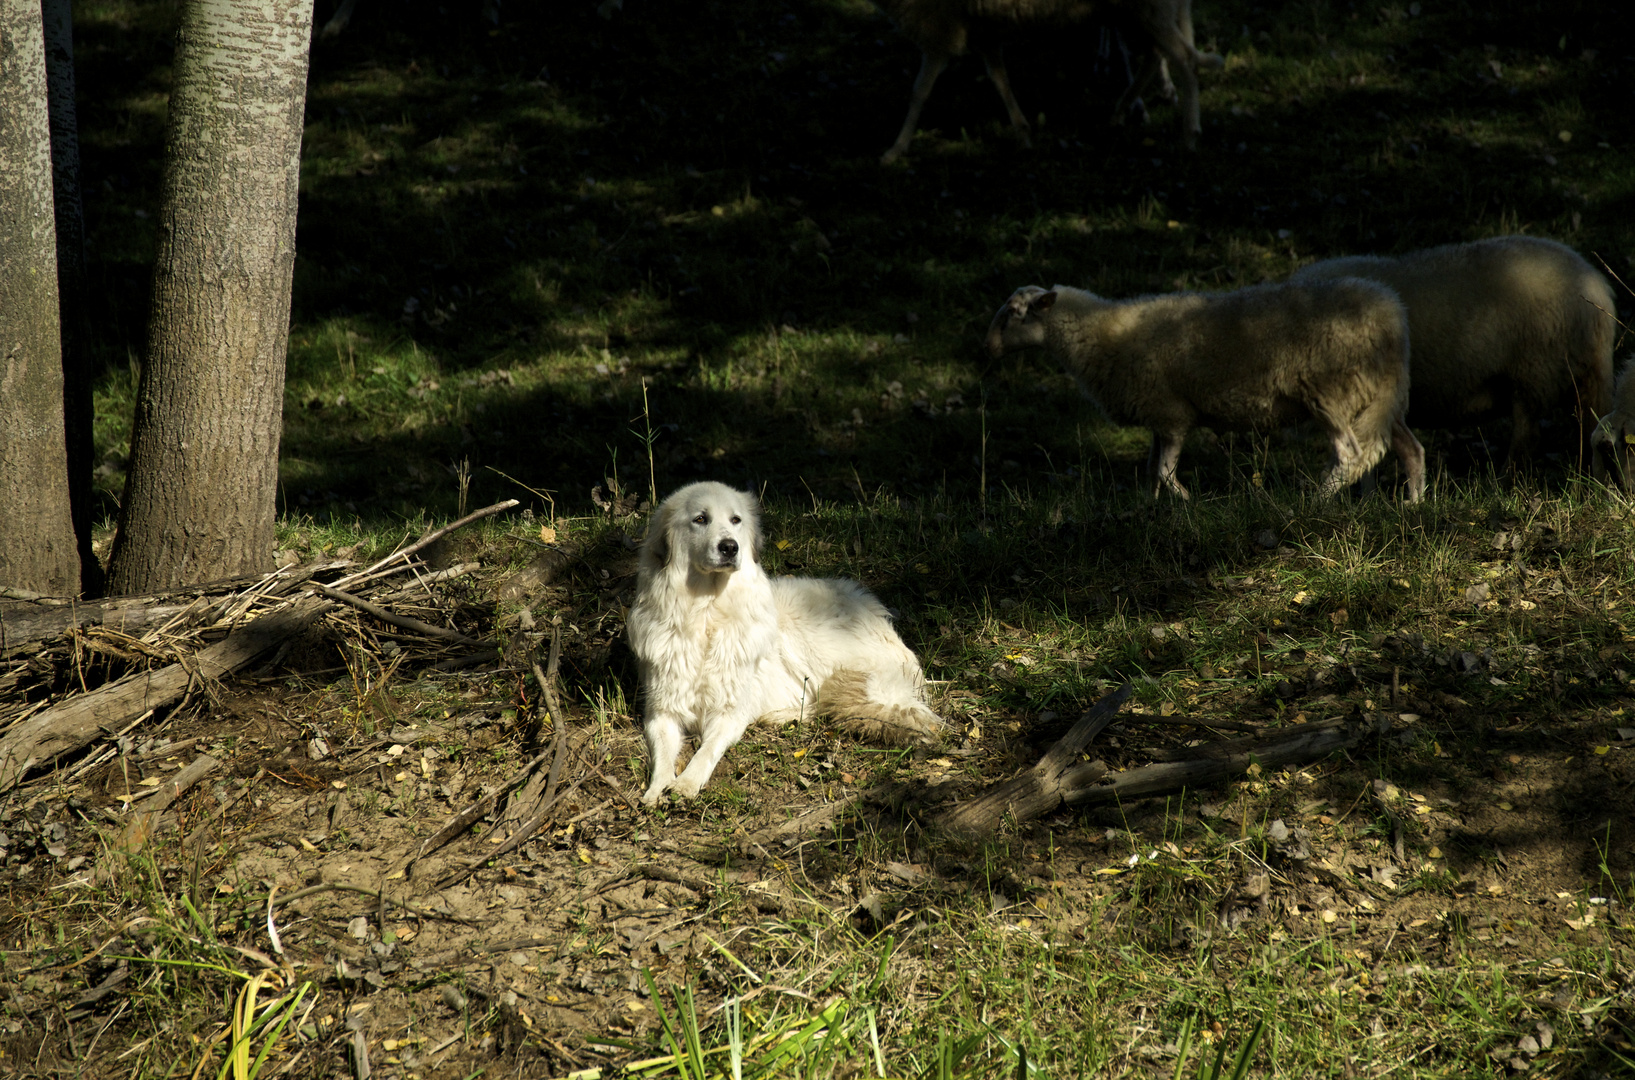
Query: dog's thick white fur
x=721 y=645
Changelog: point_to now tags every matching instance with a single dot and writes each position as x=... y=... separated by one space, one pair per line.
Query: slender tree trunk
x=200 y=497
x=37 y=549
x=71 y=291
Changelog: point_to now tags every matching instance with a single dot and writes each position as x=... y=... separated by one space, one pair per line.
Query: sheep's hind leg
x=1149 y=67
x=1161 y=462
x=995 y=60
x=1185 y=73
x=931 y=65
x=1523 y=436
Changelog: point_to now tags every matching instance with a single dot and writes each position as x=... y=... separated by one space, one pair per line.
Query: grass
x=557 y=249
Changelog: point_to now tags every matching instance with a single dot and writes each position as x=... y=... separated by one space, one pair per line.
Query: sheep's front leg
x=931 y=65
x=1161 y=461
x=1411 y=456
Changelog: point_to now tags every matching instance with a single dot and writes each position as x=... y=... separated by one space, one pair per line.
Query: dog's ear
x=657 y=546
x=752 y=516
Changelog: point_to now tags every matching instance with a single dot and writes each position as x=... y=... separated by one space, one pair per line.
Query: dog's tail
x=880 y=713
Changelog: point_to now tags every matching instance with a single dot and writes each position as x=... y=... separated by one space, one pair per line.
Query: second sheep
x=1513 y=327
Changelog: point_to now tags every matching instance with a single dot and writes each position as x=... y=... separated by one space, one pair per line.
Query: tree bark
x=37 y=546
x=200 y=498
x=78 y=412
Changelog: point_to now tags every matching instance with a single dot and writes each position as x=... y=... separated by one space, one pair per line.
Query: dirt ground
x=1496 y=838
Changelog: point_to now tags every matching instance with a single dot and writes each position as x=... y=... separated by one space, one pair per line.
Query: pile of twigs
x=173 y=645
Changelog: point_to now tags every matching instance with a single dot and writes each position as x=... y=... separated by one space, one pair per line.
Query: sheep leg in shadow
x=1161 y=462
x=931 y=65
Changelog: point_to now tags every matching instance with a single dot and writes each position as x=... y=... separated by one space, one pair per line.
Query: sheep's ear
x=1044 y=301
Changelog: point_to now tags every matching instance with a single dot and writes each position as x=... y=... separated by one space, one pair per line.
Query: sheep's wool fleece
x=943 y=23
x=1255 y=357
x=1515 y=315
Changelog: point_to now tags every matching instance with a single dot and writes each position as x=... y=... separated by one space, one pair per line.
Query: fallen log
x=120 y=705
x=1225 y=760
x=1042 y=788
x=106 y=710
x=25 y=626
x=1057 y=780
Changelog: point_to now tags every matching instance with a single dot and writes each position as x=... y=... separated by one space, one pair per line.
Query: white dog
x=721 y=645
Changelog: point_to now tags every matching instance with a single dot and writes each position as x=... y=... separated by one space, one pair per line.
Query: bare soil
x=1461 y=837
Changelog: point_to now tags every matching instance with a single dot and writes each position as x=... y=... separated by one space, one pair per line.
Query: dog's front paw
x=685 y=787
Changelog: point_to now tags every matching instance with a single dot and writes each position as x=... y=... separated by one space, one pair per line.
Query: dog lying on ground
x=721 y=645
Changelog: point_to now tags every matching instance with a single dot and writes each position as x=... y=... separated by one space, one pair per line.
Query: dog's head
x=706 y=527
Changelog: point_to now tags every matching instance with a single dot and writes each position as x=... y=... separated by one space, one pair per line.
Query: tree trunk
x=200 y=497
x=71 y=292
x=37 y=548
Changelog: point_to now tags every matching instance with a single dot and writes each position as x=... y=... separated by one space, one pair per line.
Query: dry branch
x=476 y=811
x=172 y=789
x=1057 y=780
x=424 y=542
x=1228 y=760
x=23 y=627
x=104 y=711
x=1042 y=788
x=72 y=724
x=141 y=825
x=403 y=622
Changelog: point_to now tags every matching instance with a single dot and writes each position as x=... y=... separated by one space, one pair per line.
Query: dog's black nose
x=728 y=548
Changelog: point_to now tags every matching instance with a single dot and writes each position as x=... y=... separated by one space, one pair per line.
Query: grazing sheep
x=1161 y=30
x=1513 y=324
x=1615 y=436
x=1334 y=352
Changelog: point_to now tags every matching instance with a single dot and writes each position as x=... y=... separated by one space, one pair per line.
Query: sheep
x=1161 y=30
x=1513 y=324
x=1258 y=358
x=1615 y=435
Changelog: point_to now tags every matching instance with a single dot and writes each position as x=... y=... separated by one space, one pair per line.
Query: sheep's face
x=1020 y=323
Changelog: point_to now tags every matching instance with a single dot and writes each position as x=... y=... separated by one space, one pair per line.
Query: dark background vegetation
x=689 y=194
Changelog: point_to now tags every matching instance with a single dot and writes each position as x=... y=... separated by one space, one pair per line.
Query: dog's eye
x=736 y=519
x=701 y=519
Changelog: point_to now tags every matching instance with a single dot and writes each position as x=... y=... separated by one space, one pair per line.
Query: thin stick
x=403 y=621
x=1189 y=721
x=464 y=820
x=339 y=886
x=429 y=539
x=547 y=679
x=524 y=832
